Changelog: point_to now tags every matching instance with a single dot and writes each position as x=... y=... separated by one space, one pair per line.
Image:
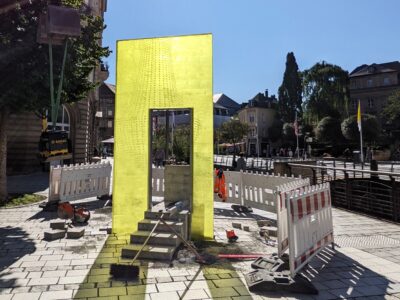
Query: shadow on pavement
x=232 y=214
x=91 y=205
x=337 y=276
x=99 y=282
x=31 y=183
x=14 y=244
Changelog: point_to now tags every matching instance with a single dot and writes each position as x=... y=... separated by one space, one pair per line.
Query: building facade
x=259 y=114
x=372 y=85
x=78 y=119
x=105 y=112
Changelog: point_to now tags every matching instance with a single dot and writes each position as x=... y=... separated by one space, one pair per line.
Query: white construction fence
x=310 y=223
x=304 y=212
x=259 y=190
x=79 y=181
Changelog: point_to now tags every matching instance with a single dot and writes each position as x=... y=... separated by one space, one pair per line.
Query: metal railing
x=375 y=193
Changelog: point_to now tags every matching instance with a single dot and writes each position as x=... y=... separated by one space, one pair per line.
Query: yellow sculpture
x=161 y=73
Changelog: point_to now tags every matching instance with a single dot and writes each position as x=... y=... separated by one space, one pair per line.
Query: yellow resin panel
x=161 y=73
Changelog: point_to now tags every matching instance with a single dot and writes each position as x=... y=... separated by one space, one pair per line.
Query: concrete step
x=149 y=252
x=178 y=216
x=147 y=225
x=153 y=215
x=158 y=238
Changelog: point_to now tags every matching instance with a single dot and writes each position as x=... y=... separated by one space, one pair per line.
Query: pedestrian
x=240 y=163
x=346 y=153
x=159 y=157
x=105 y=152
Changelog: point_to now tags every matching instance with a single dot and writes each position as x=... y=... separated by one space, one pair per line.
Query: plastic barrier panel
x=310 y=224
x=281 y=211
x=76 y=182
x=233 y=182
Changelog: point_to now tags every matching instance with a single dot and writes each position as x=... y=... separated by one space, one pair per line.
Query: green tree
x=233 y=131
x=181 y=143
x=370 y=128
x=289 y=93
x=275 y=131
x=288 y=133
x=325 y=89
x=329 y=131
x=391 y=112
x=24 y=66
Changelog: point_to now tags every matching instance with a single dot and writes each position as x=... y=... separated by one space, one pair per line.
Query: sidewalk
x=365 y=264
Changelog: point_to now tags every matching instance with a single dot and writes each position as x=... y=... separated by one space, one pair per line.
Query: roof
x=216 y=105
x=260 y=100
x=374 y=68
x=110 y=86
x=225 y=101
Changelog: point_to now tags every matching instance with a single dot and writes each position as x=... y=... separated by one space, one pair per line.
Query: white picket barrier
x=54 y=184
x=282 y=214
x=75 y=182
x=234 y=187
x=257 y=190
x=309 y=213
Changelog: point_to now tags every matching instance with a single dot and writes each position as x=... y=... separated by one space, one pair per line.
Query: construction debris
x=58 y=224
x=241 y=208
x=107 y=229
x=265 y=281
x=237 y=225
x=262 y=223
x=264 y=232
x=75 y=233
x=54 y=234
x=232 y=237
x=272 y=231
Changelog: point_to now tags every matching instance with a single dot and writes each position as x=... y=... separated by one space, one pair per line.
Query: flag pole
x=360 y=128
x=297 y=137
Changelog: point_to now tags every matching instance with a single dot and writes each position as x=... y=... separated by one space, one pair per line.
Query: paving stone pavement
x=364 y=265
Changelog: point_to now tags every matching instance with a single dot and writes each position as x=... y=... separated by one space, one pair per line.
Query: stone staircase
x=163 y=243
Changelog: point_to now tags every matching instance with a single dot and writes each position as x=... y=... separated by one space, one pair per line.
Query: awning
x=108 y=141
x=231 y=145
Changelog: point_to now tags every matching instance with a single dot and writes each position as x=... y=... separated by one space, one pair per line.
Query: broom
x=130 y=270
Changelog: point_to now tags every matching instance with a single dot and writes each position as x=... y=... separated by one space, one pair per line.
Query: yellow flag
x=359 y=116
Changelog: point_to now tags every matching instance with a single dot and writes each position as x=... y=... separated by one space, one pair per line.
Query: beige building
x=258 y=113
x=105 y=112
x=372 y=85
x=78 y=119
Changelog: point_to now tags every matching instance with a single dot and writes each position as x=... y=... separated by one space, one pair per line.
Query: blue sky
x=251 y=38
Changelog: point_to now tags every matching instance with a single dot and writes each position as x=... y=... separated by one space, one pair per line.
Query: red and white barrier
x=310 y=224
x=282 y=213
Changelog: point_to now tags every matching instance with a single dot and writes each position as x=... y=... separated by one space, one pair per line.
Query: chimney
x=266 y=94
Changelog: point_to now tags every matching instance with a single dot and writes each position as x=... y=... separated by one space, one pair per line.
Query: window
x=62 y=122
x=251 y=118
x=369 y=82
x=109 y=124
x=371 y=103
x=110 y=113
x=386 y=81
